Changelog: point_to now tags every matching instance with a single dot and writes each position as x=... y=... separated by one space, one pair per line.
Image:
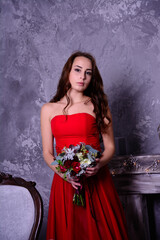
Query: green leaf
x=60 y=162
x=65 y=177
x=58 y=169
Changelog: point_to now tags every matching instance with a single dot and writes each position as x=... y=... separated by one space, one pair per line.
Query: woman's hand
x=74 y=181
x=91 y=171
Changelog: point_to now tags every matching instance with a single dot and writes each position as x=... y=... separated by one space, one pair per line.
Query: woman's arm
x=47 y=137
x=47 y=142
x=109 y=149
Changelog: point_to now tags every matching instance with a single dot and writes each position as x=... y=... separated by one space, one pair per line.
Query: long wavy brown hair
x=94 y=91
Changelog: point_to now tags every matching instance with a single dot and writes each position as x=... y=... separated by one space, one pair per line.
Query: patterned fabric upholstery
x=16 y=212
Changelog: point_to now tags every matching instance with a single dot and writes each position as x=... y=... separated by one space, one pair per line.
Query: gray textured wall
x=37 y=36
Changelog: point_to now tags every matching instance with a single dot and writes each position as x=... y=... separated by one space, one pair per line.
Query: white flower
x=69 y=154
x=86 y=161
x=79 y=155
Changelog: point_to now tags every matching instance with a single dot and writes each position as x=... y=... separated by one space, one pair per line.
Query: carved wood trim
x=7 y=179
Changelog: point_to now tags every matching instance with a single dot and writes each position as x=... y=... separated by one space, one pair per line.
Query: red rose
x=63 y=169
x=75 y=164
x=68 y=164
x=76 y=167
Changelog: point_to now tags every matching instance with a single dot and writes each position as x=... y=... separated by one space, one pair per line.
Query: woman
x=79 y=112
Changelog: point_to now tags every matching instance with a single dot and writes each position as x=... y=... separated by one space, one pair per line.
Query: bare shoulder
x=50 y=110
x=47 y=109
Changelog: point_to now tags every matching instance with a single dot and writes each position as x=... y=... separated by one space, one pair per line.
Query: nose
x=83 y=75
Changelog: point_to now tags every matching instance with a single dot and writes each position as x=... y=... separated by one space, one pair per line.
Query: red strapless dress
x=103 y=217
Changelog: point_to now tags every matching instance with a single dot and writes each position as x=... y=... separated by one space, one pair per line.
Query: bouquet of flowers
x=73 y=161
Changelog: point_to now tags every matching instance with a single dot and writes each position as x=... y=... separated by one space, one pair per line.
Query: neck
x=75 y=96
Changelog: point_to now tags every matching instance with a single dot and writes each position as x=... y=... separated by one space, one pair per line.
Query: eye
x=89 y=73
x=77 y=69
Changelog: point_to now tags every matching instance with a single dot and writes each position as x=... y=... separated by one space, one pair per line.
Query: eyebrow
x=81 y=67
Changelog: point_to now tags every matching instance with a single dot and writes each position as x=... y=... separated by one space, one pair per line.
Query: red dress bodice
x=73 y=129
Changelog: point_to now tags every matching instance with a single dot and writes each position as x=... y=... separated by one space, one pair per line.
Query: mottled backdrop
x=37 y=37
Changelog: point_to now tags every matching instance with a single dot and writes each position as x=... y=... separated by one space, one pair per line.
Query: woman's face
x=80 y=74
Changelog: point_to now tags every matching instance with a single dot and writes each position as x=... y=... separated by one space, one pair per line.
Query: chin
x=79 y=89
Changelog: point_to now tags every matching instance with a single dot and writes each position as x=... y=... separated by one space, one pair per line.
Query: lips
x=80 y=83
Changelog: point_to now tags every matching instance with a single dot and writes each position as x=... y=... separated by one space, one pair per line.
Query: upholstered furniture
x=20 y=209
